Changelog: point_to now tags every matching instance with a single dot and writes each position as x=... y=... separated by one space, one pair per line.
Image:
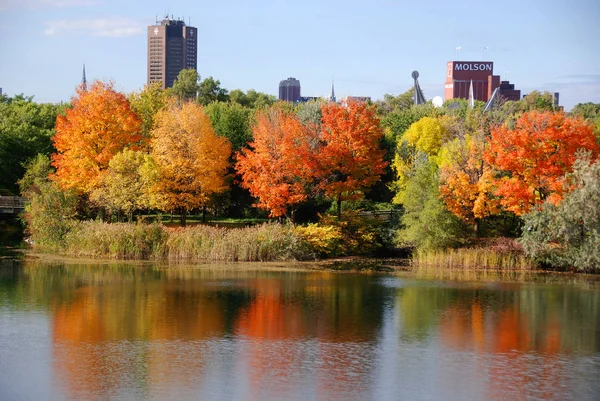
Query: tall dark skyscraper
x=172 y=47
x=289 y=89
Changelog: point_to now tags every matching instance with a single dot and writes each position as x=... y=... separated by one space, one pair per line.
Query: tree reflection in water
x=136 y=331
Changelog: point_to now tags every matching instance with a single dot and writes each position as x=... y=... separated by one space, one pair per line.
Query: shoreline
x=344 y=265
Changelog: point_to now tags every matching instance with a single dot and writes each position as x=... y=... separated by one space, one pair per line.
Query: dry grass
x=502 y=255
x=266 y=242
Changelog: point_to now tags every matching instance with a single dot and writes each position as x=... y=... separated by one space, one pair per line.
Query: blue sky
x=369 y=47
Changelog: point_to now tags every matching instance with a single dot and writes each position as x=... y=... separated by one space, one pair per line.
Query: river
x=91 y=330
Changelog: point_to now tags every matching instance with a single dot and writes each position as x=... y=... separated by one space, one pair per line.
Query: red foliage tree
x=351 y=160
x=280 y=164
x=99 y=125
x=531 y=160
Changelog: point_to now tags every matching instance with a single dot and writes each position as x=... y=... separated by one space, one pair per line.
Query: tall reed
x=155 y=241
x=472 y=258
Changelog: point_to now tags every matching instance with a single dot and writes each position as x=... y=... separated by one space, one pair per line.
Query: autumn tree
x=280 y=164
x=191 y=158
x=422 y=139
x=532 y=159
x=128 y=184
x=465 y=180
x=351 y=160
x=98 y=126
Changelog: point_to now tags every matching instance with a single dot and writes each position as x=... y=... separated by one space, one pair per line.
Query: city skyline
x=368 y=50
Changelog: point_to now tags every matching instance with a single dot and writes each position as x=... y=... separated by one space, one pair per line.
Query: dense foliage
x=568 y=234
x=454 y=172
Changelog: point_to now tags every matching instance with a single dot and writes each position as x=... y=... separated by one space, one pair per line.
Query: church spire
x=84 y=80
x=332 y=97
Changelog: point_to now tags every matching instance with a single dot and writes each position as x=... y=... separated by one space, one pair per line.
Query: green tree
x=392 y=103
x=251 y=99
x=568 y=234
x=146 y=104
x=50 y=213
x=36 y=174
x=232 y=121
x=426 y=224
x=26 y=129
x=210 y=91
x=589 y=111
x=128 y=184
x=542 y=101
x=186 y=85
x=310 y=113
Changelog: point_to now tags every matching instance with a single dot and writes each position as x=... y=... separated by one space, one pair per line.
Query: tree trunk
x=477 y=227
x=182 y=217
x=204 y=213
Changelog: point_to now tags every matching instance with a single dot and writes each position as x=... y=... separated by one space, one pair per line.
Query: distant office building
x=508 y=92
x=172 y=47
x=305 y=99
x=289 y=90
x=460 y=75
x=0 y=91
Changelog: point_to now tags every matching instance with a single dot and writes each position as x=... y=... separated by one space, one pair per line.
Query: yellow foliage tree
x=427 y=135
x=191 y=158
x=128 y=183
x=423 y=139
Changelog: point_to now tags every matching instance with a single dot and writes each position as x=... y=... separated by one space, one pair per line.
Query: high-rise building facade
x=172 y=47
x=289 y=90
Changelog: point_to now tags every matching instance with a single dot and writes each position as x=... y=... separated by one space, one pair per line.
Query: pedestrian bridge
x=12 y=204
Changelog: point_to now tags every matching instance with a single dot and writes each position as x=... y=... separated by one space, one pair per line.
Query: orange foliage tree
x=99 y=125
x=465 y=179
x=192 y=160
x=280 y=165
x=531 y=160
x=351 y=160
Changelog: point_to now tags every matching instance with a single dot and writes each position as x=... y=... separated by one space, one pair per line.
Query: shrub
x=321 y=240
x=359 y=235
x=568 y=234
x=49 y=215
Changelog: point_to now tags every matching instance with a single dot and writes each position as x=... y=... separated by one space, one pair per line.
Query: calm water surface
x=102 y=331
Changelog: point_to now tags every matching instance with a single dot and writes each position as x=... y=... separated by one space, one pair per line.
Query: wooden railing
x=12 y=204
x=383 y=215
